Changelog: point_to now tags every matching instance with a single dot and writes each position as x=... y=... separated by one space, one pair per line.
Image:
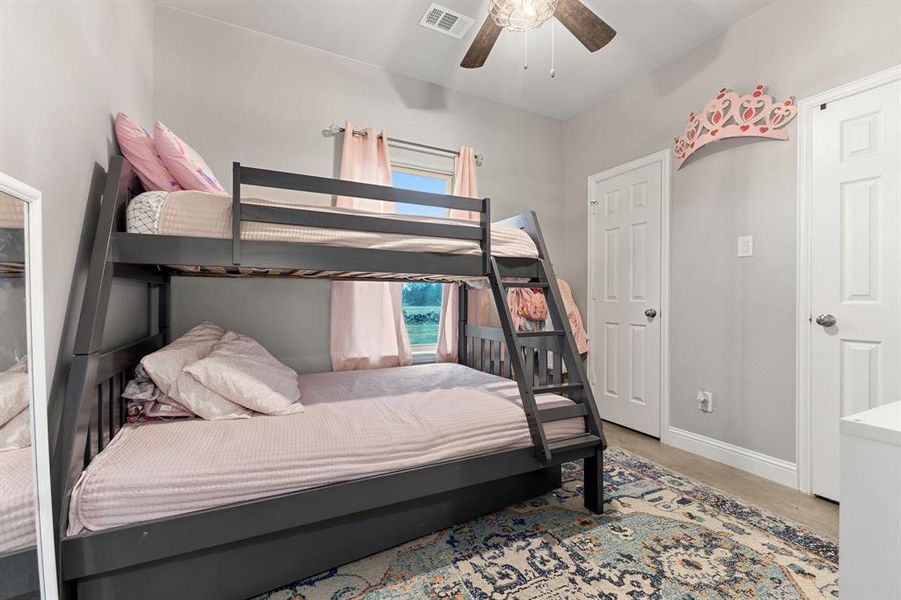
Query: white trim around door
x=664 y=158
x=806 y=108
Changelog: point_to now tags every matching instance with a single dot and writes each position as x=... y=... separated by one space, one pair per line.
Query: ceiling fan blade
x=481 y=45
x=588 y=28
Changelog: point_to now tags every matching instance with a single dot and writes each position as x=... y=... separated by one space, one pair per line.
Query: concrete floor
x=817 y=514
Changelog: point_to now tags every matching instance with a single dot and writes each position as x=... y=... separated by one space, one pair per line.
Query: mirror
x=22 y=386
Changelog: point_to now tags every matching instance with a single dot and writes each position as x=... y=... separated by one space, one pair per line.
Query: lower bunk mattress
x=17 y=527
x=356 y=424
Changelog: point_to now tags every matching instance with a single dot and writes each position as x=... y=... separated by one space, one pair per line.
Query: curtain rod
x=335 y=129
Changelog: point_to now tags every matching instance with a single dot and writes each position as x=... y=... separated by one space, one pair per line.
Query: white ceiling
x=386 y=33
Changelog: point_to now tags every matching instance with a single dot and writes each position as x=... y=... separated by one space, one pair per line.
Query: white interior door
x=855 y=362
x=625 y=323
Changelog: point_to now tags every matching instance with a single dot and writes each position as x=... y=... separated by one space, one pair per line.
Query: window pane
x=421 y=303
x=422 y=183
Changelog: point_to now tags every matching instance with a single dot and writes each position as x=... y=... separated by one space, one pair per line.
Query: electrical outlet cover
x=705 y=400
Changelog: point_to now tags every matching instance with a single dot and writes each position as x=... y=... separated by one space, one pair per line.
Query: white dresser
x=870 y=515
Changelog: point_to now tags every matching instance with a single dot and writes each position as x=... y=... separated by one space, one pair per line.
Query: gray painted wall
x=239 y=95
x=732 y=320
x=65 y=69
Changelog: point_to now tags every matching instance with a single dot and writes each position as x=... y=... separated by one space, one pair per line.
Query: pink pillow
x=137 y=146
x=183 y=162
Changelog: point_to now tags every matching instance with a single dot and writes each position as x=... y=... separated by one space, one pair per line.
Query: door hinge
x=823 y=106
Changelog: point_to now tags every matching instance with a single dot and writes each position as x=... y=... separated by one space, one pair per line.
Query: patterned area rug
x=663 y=536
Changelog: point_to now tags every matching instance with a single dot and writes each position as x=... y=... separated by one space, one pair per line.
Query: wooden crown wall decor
x=728 y=116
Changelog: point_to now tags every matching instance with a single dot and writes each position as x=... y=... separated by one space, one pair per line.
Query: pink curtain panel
x=367 y=323
x=465 y=184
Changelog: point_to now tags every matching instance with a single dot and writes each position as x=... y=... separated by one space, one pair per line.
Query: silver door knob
x=826 y=320
x=650 y=313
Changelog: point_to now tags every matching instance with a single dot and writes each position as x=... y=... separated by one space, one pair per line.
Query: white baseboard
x=768 y=467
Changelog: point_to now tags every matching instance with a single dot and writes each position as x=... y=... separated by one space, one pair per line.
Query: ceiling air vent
x=446 y=21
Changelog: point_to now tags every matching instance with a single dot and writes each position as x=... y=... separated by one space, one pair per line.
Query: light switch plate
x=745 y=246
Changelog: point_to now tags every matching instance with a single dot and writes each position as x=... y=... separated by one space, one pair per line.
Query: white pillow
x=206 y=403
x=240 y=369
x=165 y=365
x=16 y=433
x=14 y=393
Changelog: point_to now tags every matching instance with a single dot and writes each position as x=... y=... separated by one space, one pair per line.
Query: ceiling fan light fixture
x=522 y=15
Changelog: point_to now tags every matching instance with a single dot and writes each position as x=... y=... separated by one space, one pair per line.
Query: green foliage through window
x=421 y=304
x=421 y=301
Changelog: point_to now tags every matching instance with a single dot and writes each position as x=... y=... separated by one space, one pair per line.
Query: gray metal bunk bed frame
x=18 y=568
x=239 y=550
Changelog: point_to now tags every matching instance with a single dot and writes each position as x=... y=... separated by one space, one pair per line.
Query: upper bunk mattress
x=202 y=214
x=357 y=424
x=16 y=500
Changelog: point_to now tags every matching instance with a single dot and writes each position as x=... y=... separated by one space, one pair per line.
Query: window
x=421 y=301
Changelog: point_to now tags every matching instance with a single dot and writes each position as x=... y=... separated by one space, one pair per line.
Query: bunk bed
x=18 y=557
x=258 y=543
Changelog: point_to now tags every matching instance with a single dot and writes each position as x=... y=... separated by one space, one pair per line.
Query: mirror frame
x=37 y=369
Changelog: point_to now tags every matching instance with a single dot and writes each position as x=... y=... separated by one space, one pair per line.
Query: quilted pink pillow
x=137 y=146
x=183 y=162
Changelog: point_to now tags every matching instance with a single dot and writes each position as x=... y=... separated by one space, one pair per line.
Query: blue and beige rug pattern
x=663 y=536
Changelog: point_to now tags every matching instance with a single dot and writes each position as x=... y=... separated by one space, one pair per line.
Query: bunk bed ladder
x=561 y=340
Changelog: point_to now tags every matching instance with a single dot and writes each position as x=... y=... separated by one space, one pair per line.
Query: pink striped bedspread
x=16 y=500
x=357 y=424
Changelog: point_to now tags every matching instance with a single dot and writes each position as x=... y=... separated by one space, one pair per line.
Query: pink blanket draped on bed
x=574 y=316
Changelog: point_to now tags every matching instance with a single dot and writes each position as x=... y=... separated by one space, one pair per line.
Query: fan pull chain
x=553 y=36
x=525 y=50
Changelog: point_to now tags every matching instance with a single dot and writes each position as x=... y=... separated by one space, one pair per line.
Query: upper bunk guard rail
x=370 y=223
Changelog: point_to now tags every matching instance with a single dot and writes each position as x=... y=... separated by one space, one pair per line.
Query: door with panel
x=855 y=271
x=625 y=260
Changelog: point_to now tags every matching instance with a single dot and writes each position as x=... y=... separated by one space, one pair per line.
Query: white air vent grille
x=444 y=20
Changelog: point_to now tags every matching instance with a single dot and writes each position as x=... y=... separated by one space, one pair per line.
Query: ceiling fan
x=522 y=15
